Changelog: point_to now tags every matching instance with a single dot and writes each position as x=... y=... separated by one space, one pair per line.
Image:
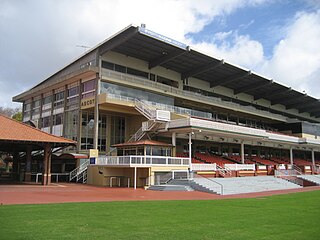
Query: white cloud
x=234 y=48
x=296 y=59
x=39 y=37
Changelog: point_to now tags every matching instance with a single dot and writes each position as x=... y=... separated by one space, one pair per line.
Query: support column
x=96 y=112
x=27 y=176
x=313 y=161
x=15 y=166
x=242 y=152
x=46 y=174
x=174 y=149
x=135 y=178
x=190 y=151
x=291 y=156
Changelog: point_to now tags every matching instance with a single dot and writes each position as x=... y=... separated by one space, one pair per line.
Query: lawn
x=292 y=216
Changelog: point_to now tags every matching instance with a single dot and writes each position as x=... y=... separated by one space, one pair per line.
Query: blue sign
x=92 y=160
x=162 y=38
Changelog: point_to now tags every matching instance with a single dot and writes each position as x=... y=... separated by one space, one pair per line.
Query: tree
x=17 y=116
x=14 y=113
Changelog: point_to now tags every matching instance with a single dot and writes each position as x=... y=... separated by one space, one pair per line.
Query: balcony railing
x=142 y=160
x=179 y=92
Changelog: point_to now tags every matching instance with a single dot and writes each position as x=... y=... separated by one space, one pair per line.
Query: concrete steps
x=311 y=178
x=170 y=188
x=244 y=184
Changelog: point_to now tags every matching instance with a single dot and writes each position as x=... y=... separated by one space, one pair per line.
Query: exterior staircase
x=79 y=174
x=148 y=127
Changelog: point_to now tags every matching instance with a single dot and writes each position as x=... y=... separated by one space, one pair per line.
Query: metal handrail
x=75 y=172
x=209 y=179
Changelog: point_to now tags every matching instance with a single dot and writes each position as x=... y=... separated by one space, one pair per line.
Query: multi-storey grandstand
x=157 y=110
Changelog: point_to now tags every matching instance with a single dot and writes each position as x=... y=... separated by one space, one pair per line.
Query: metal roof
x=159 y=50
x=190 y=63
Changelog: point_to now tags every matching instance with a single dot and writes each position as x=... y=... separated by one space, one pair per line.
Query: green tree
x=17 y=116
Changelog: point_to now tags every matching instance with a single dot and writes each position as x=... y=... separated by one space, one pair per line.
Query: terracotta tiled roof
x=142 y=142
x=12 y=130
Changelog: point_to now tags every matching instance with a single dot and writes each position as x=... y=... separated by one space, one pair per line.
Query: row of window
x=139 y=73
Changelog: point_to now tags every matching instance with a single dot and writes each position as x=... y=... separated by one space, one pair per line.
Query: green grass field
x=293 y=216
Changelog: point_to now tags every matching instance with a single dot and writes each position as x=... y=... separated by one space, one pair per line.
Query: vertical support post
x=291 y=155
x=79 y=130
x=135 y=178
x=27 y=177
x=46 y=174
x=96 y=109
x=190 y=151
x=313 y=161
x=174 y=142
x=242 y=152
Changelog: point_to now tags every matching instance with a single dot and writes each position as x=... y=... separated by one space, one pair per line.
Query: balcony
x=126 y=79
x=142 y=161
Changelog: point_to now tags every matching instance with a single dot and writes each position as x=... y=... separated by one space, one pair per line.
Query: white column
x=291 y=156
x=312 y=158
x=174 y=136
x=135 y=178
x=190 y=151
x=96 y=109
x=242 y=152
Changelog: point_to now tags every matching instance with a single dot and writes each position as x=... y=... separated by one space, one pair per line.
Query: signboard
x=87 y=103
x=93 y=153
x=93 y=160
x=162 y=38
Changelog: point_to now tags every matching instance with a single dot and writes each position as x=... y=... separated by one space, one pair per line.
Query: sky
x=278 y=39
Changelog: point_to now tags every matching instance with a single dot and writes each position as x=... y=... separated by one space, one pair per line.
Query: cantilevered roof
x=159 y=50
x=15 y=135
x=178 y=57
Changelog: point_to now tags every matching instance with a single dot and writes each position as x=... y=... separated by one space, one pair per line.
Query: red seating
x=301 y=162
x=212 y=159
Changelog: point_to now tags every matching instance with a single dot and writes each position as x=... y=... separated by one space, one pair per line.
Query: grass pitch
x=292 y=216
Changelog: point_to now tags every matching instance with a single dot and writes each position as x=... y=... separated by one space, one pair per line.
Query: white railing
x=240 y=167
x=204 y=167
x=144 y=109
x=288 y=172
x=138 y=135
x=142 y=160
x=209 y=181
x=224 y=171
x=77 y=171
x=212 y=100
x=297 y=169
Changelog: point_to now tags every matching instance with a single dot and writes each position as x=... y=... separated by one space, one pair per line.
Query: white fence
x=204 y=167
x=239 y=167
x=142 y=160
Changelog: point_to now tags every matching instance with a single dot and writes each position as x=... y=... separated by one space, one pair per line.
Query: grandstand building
x=152 y=106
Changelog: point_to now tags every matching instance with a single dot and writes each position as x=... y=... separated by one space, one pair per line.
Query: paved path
x=68 y=192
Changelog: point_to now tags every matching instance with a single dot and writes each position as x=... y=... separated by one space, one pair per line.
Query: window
x=120 y=68
x=58 y=100
x=57 y=119
x=137 y=73
x=117 y=130
x=47 y=100
x=88 y=89
x=107 y=65
x=45 y=122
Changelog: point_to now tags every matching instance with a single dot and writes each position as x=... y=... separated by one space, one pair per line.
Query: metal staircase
x=148 y=127
x=80 y=173
x=224 y=172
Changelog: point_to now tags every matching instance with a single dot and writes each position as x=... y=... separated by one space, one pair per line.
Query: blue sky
x=263 y=23
x=278 y=39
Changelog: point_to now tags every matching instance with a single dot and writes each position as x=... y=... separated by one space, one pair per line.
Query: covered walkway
x=19 y=141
